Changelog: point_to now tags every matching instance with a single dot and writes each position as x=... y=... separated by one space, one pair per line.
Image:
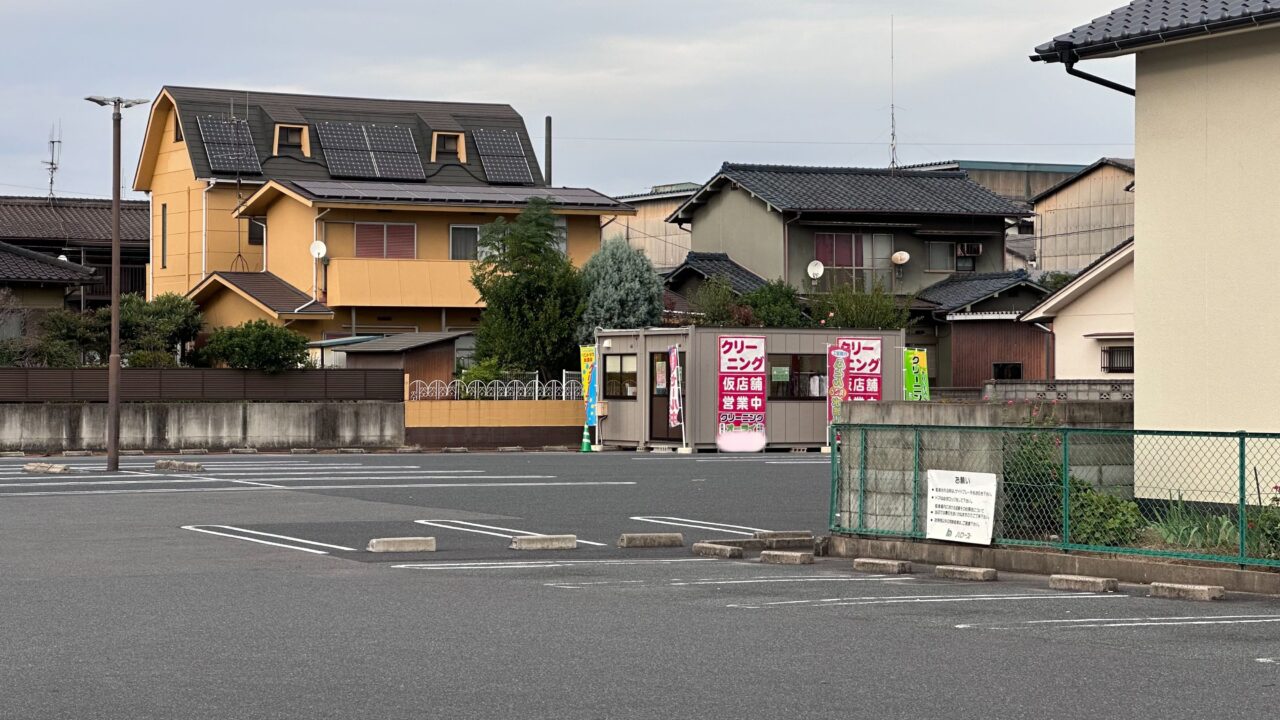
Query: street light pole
x=113 y=360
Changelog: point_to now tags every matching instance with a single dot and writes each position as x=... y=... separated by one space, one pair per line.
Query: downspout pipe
x=1067 y=56
x=315 y=262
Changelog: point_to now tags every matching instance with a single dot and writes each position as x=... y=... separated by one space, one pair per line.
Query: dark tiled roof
x=674 y=302
x=264 y=109
x=1126 y=164
x=964 y=289
x=1024 y=246
x=405 y=341
x=273 y=292
x=858 y=190
x=709 y=265
x=1146 y=22
x=19 y=265
x=72 y=220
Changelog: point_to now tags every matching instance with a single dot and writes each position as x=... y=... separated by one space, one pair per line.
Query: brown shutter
x=400 y=242
x=370 y=241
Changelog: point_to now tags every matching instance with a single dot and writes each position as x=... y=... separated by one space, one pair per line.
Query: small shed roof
x=709 y=264
x=405 y=341
x=963 y=289
x=19 y=265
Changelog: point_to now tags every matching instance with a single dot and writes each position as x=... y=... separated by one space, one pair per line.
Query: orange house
x=339 y=216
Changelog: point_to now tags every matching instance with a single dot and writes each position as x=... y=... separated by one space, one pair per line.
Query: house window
x=947 y=257
x=620 y=376
x=1117 y=359
x=561 y=235
x=257 y=230
x=448 y=147
x=1006 y=371
x=860 y=259
x=797 y=377
x=177 y=128
x=397 y=241
x=164 y=235
x=464 y=242
x=291 y=137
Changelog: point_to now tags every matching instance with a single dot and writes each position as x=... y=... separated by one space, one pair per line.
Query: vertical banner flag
x=741 y=388
x=673 y=387
x=915 y=374
x=854 y=373
x=590 y=381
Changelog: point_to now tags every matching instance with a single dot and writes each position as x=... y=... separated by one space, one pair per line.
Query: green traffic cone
x=586 y=438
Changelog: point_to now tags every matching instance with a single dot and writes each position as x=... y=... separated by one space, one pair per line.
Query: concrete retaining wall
x=50 y=427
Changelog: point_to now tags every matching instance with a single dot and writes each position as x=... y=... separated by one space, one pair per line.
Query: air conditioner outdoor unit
x=968 y=249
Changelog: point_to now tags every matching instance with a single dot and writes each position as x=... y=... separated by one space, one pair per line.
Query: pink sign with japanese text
x=854 y=372
x=741 y=391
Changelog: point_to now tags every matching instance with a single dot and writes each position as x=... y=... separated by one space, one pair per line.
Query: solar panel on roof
x=506 y=169
x=498 y=143
x=228 y=144
x=350 y=163
x=398 y=166
x=368 y=150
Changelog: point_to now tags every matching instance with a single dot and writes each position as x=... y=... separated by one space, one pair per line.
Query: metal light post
x=113 y=361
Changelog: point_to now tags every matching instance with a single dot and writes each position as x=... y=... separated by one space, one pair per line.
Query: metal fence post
x=1066 y=488
x=862 y=477
x=1243 y=509
x=915 y=482
x=835 y=478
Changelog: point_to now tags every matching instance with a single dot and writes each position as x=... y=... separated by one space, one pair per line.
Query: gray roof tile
x=71 y=219
x=860 y=190
x=19 y=265
x=964 y=289
x=1146 y=22
x=275 y=293
x=404 y=341
x=709 y=265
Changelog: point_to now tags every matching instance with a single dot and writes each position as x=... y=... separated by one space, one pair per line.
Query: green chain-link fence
x=1201 y=496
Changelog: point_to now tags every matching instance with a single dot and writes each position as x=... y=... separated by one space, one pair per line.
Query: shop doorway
x=659 y=396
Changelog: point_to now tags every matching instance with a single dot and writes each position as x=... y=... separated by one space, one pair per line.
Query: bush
x=1032 y=486
x=1101 y=519
x=257 y=345
x=776 y=304
x=874 y=309
x=717 y=305
x=150 y=359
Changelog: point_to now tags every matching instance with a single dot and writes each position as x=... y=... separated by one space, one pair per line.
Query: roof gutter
x=1068 y=57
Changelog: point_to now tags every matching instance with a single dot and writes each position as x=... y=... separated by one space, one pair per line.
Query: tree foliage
x=715 y=304
x=875 y=309
x=257 y=345
x=776 y=304
x=533 y=295
x=1055 y=280
x=622 y=290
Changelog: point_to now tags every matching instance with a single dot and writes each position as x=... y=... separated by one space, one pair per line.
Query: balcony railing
x=365 y=282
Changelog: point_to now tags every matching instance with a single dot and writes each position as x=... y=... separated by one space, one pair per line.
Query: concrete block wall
x=53 y=427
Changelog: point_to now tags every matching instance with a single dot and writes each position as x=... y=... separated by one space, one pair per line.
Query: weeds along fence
x=1194 y=496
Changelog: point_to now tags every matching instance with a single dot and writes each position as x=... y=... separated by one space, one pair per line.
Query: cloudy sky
x=643 y=92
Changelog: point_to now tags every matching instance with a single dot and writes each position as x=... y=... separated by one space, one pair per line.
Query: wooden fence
x=195 y=384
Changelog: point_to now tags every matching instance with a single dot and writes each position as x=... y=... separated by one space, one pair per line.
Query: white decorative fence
x=496 y=390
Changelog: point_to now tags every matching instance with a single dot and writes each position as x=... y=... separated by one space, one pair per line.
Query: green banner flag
x=915 y=374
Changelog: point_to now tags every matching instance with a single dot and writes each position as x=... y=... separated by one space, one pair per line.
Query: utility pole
x=546 y=144
x=113 y=361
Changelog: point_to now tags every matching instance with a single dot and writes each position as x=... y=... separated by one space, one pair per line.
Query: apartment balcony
x=369 y=282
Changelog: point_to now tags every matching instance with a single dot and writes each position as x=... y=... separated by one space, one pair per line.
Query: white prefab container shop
x=635 y=383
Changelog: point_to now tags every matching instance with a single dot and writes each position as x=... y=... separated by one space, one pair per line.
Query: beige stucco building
x=1208 y=159
x=647 y=229
x=1092 y=319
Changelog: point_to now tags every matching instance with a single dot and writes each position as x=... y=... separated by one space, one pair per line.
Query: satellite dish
x=319 y=249
x=63 y=258
x=900 y=258
x=815 y=269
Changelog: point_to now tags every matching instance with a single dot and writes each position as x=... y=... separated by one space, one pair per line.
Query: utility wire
x=754 y=141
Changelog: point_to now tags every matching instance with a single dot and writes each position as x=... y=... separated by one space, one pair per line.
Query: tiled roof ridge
x=836 y=170
x=258 y=94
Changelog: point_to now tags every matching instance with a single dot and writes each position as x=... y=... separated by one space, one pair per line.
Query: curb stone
x=651 y=540
x=709 y=549
x=783 y=557
x=878 y=565
x=1179 y=591
x=1083 y=583
x=961 y=572
x=544 y=542
x=402 y=544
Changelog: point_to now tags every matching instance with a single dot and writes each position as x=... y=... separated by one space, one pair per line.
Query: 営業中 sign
x=961 y=506
x=741 y=389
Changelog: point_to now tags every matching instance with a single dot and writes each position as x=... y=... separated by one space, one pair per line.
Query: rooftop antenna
x=55 y=154
x=893 y=114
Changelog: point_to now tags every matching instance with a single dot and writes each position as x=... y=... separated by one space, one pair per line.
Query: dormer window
x=292 y=139
x=177 y=127
x=448 y=147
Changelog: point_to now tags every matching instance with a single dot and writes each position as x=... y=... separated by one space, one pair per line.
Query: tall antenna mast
x=55 y=154
x=893 y=114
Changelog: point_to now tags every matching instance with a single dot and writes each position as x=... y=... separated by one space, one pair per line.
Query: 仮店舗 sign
x=741 y=389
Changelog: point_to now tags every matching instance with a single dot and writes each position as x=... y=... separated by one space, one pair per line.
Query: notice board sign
x=961 y=506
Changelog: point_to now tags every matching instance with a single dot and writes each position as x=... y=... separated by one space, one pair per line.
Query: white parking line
x=507 y=532
x=390 y=472
x=446 y=486
x=699 y=524
x=913 y=599
x=785 y=580
x=539 y=564
x=205 y=529
x=1095 y=622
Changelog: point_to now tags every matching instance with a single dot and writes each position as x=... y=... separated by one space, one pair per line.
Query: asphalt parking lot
x=244 y=591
